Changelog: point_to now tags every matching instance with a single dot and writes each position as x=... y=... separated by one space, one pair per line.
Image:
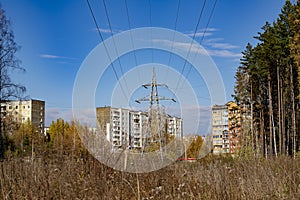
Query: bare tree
x=8 y=64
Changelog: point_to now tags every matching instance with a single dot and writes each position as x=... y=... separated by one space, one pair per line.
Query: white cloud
x=183 y=46
x=224 y=53
x=51 y=56
x=102 y=30
x=202 y=32
x=210 y=29
x=215 y=43
x=199 y=34
x=214 y=46
x=52 y=114
x=223 y=46
x=107 y=31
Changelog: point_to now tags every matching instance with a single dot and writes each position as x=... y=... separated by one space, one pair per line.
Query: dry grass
x=63 y=177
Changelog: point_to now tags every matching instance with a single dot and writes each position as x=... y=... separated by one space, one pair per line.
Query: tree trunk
x=283 y=133
x=293 y=112
x=279 y=111
x=257 y=144
x=251 y=122
x=261 y=138
x=263 y=135
x=1 y=142
x=272 y=136
x=288 y=139
x=1 y=127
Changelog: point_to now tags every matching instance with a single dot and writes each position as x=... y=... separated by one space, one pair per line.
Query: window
x=23 y=107
x=28 y=106
x=10 y=107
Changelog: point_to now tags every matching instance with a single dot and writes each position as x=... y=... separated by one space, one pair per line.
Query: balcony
x=116 y=129
x=136 y=126
x=117 y=144
x=116 y=132
x=137 y=135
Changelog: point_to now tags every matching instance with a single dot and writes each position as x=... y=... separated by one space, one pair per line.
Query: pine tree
x=267 y=82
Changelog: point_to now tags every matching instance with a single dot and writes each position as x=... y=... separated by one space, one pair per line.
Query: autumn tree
x=64 y=137
x=193 y=149
x=8 y=64
x=28 y=140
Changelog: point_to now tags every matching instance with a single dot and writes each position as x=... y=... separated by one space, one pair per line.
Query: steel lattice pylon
x=155 y=121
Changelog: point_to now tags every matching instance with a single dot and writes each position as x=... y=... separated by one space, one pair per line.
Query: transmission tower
x=154 y=128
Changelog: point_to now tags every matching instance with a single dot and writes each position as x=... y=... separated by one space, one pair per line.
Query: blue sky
x=56 y=36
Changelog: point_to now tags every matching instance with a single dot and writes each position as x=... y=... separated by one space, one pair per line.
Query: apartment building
x=220 y=129
x=138 y=124
x=114 y=123
x=21 y=111
x=226 y=128
x=174 y=126
x=128 y=128
x=234 y=127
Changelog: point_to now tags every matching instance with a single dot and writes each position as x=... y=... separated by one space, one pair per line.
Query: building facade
x=234 y=127
x=226 y=128
x=127 y=128
x=138 y=126
x=220 y=129
x=174 y=126
x=21 y=111
x=114 y=123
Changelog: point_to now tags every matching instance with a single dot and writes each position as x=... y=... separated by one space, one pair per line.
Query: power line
x=210 y=16
x=131 y=38
x=175 y=28
x=150 y=15
x=115 y=46
x=173 y=37
x=202 y=38
x=106 y=50
x=190 y=47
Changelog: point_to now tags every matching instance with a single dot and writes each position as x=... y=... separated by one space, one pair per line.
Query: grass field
x=63 y=177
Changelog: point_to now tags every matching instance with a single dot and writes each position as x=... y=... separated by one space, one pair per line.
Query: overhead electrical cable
x=190 y=48
x=150 y=15
x=173 y=37
x=203 y=35
x=202 y=38
x=115 y=46
x=105 y=47
x=131 y=39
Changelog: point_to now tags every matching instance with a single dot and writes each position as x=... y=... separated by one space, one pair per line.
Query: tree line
x=267 y=87
x=24 y=139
